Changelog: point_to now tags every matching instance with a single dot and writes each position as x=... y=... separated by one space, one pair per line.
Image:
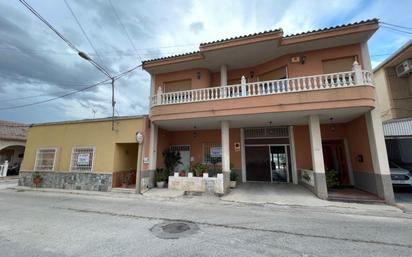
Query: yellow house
x=84 y=154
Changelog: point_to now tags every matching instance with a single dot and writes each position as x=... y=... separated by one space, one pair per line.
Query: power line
x=398 y=30
x=118 y=76
x=394 y=25
x=124 y=29
x=83 y=31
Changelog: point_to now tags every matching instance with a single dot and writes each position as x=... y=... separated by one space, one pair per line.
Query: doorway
x=269 y=163
x=184 y=151
x=334 y=157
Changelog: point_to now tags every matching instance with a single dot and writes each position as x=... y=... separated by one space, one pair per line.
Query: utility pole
x=113 y=104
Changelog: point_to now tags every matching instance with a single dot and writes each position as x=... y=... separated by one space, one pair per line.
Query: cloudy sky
x=37 y=65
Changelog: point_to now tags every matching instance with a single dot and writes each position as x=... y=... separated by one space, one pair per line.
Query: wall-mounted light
x=332 y=125
x=302 y=59
x=359 y=158
x=252 y=74
x=194 y=132
x=199 y=75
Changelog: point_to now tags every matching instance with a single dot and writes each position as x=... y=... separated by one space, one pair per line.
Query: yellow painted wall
x=125 y=157
x=96 y=134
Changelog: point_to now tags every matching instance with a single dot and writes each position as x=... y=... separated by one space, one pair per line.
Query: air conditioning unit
x=404 y=68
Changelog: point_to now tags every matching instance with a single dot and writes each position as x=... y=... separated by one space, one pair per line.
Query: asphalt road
x=52 y=224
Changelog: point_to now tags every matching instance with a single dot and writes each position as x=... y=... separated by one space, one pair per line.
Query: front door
x=184 y=151
x=257 y=163
x=279 y=163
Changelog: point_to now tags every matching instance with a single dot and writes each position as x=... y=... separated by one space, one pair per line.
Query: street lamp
x=139 y=140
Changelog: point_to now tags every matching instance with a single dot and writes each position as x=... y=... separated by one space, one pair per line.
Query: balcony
x=339 y=90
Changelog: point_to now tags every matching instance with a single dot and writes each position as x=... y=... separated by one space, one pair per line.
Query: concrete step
x=123 y=190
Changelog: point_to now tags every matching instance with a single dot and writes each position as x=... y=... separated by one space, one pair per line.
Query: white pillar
x=223 y=75
x=243 y=154
x=379 y=156
x=293 y=156
x=139 y=168
x=225 y=146
x=153 y=146
x=317 y=157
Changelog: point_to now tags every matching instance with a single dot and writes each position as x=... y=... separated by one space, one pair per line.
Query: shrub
x=171 y=160
x=161 y=175
x=198 y=169
x=233 y=176
x=332 y=178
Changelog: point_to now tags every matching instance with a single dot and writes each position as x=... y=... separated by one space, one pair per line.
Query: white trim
x=243 y=154
x=154 y=131
x=54 y=158
x=293 y=156
x=71 y=159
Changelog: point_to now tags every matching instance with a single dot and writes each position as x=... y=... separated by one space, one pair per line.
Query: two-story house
x=274 y=108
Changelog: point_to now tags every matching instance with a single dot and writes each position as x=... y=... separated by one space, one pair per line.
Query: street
x=55 y=224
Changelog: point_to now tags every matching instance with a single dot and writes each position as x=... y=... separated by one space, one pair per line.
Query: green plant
x=233 y=176
x=171 y=160
x=198 y=169
x=332 y=178
x=161 y=175
x=37 y=175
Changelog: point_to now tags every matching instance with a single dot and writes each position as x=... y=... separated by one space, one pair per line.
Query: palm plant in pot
x=161 y=177
x=171 y=160
x=198 y=169
x=233 y=179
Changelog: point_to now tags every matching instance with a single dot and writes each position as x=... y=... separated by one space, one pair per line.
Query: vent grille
x=266 y=132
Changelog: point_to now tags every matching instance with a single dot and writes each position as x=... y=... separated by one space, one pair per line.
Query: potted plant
x=171 y=160
x=160 y=176
x=233 y=179
x=332 y=178
x=37 y=178
x=126 y=180
x=198 y=169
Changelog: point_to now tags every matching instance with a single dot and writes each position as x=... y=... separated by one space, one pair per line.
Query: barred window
x=45 y=159
x=207 y=153
x=82 y=159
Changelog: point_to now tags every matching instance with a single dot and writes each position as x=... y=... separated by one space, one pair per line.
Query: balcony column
x=379 y=156
x=225 y=146
x=153 y=146
x=223 y=75
x=317 y=157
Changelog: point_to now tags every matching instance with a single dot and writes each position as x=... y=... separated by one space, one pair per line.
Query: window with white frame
x=211 y=153
x=82 y=159
x=45 y=159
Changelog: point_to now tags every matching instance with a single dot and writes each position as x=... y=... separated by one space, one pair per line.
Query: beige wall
x=383 y=94
x=96 y=134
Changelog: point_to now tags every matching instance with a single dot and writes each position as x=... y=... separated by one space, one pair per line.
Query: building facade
x=85 y=154
x=393 y=78
x=281 y=109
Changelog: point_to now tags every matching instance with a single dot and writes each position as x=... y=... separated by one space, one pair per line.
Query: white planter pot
x=160 y=184
x=232 y=184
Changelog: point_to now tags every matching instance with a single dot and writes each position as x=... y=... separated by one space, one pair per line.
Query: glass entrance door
x=279 y=163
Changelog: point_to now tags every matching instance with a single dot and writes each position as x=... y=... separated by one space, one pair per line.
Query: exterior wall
x=401 y=94
x=167 y=138
x=96 y=134
x=312 y=65
x=69 y=180
x=202 y=82
x=384 y=95
x=355 y=132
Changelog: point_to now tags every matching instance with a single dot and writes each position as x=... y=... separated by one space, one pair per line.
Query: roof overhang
x=403 y=53
x=249 y=51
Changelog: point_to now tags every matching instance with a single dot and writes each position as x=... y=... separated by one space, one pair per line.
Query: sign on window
x=215 y=152
x=83 y=159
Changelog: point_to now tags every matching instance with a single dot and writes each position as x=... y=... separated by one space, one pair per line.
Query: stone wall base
x=69 y=180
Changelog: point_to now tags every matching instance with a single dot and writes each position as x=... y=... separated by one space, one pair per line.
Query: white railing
x=290 y=85
x=3 y=169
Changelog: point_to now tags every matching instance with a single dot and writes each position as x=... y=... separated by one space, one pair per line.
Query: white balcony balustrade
x=356 y=77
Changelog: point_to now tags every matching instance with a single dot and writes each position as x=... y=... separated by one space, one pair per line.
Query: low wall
x=69 y=180
x=213 y=185
x=307 y=179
